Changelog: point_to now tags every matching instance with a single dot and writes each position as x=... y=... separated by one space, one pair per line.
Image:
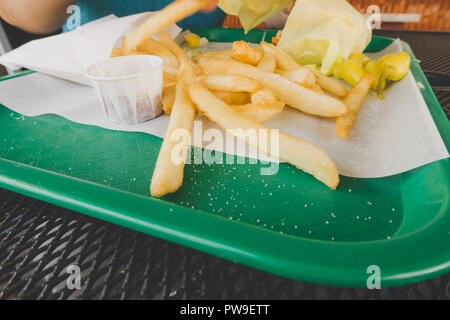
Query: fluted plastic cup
x=129 y=88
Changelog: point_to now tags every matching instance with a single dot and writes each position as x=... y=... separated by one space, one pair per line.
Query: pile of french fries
x=240 y=88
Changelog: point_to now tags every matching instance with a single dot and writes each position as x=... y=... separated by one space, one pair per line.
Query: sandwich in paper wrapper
x=318 y=32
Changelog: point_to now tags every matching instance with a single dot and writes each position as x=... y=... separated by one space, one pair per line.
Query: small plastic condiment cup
x=129 y=88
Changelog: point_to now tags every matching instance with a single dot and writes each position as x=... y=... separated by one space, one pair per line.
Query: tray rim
x=217 y=242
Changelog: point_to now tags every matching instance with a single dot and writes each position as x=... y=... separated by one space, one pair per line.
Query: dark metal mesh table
x=38 y=241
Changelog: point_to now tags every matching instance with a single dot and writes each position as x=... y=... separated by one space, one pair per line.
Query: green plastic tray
x=288 y=224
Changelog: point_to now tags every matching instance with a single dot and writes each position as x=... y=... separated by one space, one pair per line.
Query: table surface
x=38 y=241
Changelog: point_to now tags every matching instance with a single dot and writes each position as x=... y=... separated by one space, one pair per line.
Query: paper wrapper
x=68 y=55
x=320 y=31
x=390 y=136
x=252 y=12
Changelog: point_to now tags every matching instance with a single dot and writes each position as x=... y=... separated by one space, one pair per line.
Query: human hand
x=211 y=6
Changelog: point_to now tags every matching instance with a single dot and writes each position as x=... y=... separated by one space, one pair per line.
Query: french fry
x=116 y=52
x=181 y=55
x=154 y=47
x=259 y=112
x=168 y=78
x=124 y=53
x=302 y=76
x=299 y=153
x=170 y=70
x=233 y=97
x=230 y=83
x=244 y=53
x=331 y=85
x=223 y=54
x=168 y=98
x=137 y=53
x=292 y=94
x=168 y=173
x=354 y=101
x=267 y=63
x=169 y=84
x=258 y=48
x=263 y=96
x=286 y=62
x=317 y=89
x=174 y=12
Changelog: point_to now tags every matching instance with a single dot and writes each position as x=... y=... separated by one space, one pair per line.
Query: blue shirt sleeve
x=94 y=9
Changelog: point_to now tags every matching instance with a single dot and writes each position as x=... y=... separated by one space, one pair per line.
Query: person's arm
x=210 y=7
x=35 y=16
